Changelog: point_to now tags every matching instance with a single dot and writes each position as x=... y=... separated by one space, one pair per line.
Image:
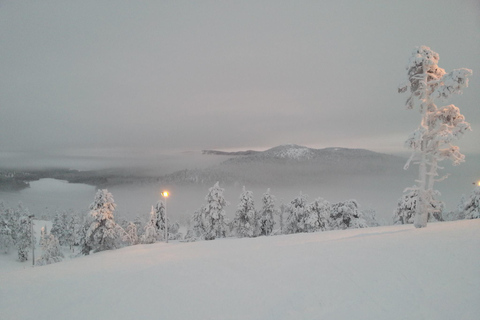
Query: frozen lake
x=46 y=196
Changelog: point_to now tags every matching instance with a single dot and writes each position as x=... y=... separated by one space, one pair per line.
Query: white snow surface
x=392 y=272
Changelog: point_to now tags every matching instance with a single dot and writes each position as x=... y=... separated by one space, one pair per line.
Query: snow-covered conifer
x=461 y=205
x=245 y=216
x=159 y=212
x=213 y=214
x=174 y=231
x=43 y=235
x=267 y=214
x=345 y=215
x=198 y=226
x=74 y=227
x=296 y=211
x=7 y=226
x=151 y=233
x=317 y=215
x=51 y=252
x=472 y=205
x=59 y=227
x=131 y=236
x=439 y=127
x=370 y=216
x=407 y=206
x=102 y=233
x=24 y=239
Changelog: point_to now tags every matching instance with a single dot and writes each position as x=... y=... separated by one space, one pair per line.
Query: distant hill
x=291 y=164
x=226 y=153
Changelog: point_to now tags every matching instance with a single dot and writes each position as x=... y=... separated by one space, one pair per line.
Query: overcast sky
x=80 y=77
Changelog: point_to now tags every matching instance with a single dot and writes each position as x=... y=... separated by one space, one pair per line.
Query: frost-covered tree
x=130 y=235
x=6 y=239
x=198 y=226
x=60 y=227
x=74 y=228
x=370 y=216
x=296 y=214
x=43 y=236
x=439 y=127
x=174 y=231
x=407 y=206
x=151 y=233
x=317 y=215
x=159 y=212
x=266 y=215
x=245 y=216
x=7 y=227
x=212 y=216
x=24 y=239
x=102 y=233
x=472 y=205
x=461 y=207
x=345 y=215
x=51 y=252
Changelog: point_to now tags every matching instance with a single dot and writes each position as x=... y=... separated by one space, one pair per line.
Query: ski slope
x=391 y=272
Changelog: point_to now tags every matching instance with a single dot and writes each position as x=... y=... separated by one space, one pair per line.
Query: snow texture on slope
x=394 y=272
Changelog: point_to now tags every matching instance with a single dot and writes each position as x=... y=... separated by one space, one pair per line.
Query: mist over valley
x=375 y=180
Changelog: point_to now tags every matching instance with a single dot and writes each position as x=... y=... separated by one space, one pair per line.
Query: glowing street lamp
x=165 y=194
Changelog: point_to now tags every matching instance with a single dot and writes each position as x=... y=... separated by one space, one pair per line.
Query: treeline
x=99 y=230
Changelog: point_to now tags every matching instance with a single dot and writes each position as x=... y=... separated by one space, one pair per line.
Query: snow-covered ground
x=393 y=272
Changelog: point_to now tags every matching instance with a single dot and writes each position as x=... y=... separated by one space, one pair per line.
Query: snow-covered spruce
x=406 y=208
x=317 y=215
x=60 y=227
x=245 y=221
x=160 y=214
x=370 y=216
x=7 y=228
x=151 y=233
x=51 y=252
x=131 y=234
x=24 y=235
x=267 y=213
x=439 y=127
x=296 y=214
x=102 y=233
x=66 y=227
x=209 y=222
x=472 y=205
x=345 y=215
x=155 y=227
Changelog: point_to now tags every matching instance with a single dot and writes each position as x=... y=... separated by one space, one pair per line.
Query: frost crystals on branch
x=439 y=127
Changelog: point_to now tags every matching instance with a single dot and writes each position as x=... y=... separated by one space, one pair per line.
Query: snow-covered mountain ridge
x=391 y=272
x=292 y=163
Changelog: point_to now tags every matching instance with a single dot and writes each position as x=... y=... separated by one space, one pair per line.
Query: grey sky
x=82 y=76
